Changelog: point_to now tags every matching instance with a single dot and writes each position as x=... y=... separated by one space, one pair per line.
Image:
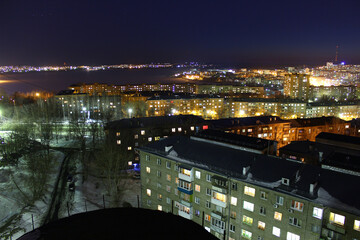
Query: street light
x=130 y=111
x=173 y=111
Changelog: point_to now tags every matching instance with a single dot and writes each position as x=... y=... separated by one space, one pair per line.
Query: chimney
x=312 y=187
x=168 y=148
x=245 y=170
x=320 y=156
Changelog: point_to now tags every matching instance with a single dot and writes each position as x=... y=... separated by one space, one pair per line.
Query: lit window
x=197 y=174
x=292 y=236
x=197 y=188
x=317 y=212
x=207 y=217
x=197 y=213
x=357 y=225
x=276 y=231
x=219 y=196
x=148 y=169
x=157 y=138
x=129 y=163
x=248 y=206
x=118 y=134
x=337 y=219
x=150 y=139
x=261 y=225
x=233 y=201
x=148 y=192
x=168 y=177
x=142 y=132
x=192 y=128
x=159 y=196
x=278 y=216
x=246 y=234
x=118 y=142
x=173 y=130
x=233 y=214
x=136 y=136
x=299 y=206
x=129 y=148
x=159 y=208
x=179 y=129
x=249 y=191
x=185 y=171
x=247 y=220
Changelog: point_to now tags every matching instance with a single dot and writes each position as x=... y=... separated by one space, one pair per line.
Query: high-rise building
x=297 y=86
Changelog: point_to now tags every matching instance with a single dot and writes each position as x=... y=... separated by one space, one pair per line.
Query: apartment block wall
x=299 y=216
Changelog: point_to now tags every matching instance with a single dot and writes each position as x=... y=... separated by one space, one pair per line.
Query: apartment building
x=343 y=109
x=206 y=105
x=297 y=86
x=129 y=133
x=88 y=106
x=285 y=108
x=265 y=127
x=236 y=194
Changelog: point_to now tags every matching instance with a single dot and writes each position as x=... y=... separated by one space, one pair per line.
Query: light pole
x=130 y=111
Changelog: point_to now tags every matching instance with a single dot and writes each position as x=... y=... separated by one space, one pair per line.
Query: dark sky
x=248 y=33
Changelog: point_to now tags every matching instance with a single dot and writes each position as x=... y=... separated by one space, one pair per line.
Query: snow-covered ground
x=16 y=218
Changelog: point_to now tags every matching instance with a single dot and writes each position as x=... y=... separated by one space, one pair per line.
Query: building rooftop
x=184 y=96
x=308 y=122
x=333 y=189
x=269 y=100
x=154 y=121
x=247 y=121
x=235 y=139
x=338 y=138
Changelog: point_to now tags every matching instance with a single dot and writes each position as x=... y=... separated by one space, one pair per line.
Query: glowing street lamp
x=130 y=111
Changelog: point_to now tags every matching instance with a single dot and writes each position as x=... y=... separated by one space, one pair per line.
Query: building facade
x=241 y=195
x=297 y=86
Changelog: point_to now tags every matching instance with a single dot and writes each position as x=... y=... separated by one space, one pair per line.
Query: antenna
x=337 y=53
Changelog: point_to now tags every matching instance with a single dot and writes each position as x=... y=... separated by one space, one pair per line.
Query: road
x=60 y=189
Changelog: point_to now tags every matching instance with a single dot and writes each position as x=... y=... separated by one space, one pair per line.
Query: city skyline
x=244 y=34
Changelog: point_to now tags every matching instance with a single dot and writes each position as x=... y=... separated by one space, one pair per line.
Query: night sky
x=246 y=33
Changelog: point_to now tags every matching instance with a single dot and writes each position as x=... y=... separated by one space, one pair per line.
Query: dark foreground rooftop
x=120 y=223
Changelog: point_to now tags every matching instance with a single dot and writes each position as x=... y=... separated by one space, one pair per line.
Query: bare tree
x=112 y=166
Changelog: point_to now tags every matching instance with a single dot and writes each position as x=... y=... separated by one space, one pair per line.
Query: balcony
x=185 y=210
x=217 y=223
x=336 y=228
x=218 y=202
x=185 y=187
x=219 y=182
x=186 y=173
